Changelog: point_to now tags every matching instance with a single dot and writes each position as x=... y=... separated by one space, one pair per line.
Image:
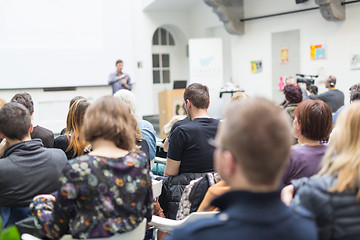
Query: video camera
x=307 y=79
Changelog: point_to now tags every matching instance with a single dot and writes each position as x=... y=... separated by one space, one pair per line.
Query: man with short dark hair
x=46 y=135
x=333 y=97
x=27 y=168
x=189 y=150
x=119 y=80
x=252 y=147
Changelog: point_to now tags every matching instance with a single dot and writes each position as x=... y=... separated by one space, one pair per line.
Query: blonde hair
x=342 y=159
x=168 y=126
x=73 y=125
x=239 y=96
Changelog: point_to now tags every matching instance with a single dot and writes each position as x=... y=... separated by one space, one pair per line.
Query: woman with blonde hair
x=70 y=142
x=104 y=192
x=333 y=195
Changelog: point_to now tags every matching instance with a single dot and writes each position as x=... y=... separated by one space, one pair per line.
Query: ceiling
x=169 y=5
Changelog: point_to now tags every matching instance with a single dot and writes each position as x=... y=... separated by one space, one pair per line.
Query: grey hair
x=127 y=97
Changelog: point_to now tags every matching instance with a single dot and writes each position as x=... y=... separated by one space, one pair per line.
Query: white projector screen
x=59 y=43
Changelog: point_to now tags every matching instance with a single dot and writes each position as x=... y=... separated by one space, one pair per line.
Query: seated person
x=293 y=97
x=189 y=150
x=27 y=168
x=312 y=124
x=146 y=140
x=333 y=194
x=253 y=208
x=46 y=135
x=105 y=192
x=70 y=142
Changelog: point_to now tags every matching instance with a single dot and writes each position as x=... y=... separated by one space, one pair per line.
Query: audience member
x=253 y=209
x=189 y=150
x=146 y=128
x=312 y=124
x=105 y=192
x=174 y=126
x=293 y=97
x=220 y=187
x=119 y=80
x=74 y=99
x=27 y=168
x=71 y=143
x=292 y=81
x=239 y=96
x=333 y=97
x=354 y=95
x=46 y=135
x=333 y=195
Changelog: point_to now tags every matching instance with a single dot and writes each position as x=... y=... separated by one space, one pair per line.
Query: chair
x=137 y=234
x=167 y=225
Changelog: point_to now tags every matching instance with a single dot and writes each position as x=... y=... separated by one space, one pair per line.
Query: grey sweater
x=29 y=169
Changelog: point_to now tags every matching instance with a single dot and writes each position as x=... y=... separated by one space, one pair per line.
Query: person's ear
x=229 y=164
x=2 y=135
x=31 y=128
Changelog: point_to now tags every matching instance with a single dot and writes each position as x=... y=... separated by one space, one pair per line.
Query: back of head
x=74 y=99
x=74 y=122
x=332 y=81
x=355 y=92
x=342 y=159
x=127 y=97
x=76 y=114
x=315 y=119
x=15 y=121
x=258 y=134
x=293 y=94
x=198 y=95
x=239 y=96
x=290 y=81
x=109 y=118
x=24 y=99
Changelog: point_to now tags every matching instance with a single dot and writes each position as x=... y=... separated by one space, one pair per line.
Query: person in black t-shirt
x=189 y=150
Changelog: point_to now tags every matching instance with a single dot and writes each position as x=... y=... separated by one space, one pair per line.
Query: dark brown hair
x=110 y=119
x=24 y=99
x=73 y=125
x=15 y=120
x=293 y=94
x=198 y=95
x=258 y=134
x=315 y=119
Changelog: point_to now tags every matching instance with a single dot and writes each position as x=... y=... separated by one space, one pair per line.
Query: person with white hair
x=146 y=128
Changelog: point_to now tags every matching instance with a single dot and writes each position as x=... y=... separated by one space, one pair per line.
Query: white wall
x=341 y=39
x=51 y=108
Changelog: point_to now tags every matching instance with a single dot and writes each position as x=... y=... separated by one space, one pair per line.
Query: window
x=163 y=37
x=163 y=41
x=161 y=68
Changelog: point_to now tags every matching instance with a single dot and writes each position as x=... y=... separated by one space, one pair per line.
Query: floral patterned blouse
x=98 y=197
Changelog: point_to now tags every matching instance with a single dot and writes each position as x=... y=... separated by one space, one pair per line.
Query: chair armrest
x=164 y=224
x=160 y=160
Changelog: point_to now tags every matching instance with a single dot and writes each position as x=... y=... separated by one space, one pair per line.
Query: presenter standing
x=119 y=80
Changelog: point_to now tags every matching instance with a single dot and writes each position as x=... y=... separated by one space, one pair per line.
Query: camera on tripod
x=307 y=79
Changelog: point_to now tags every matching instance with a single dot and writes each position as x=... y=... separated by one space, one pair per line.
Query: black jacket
x=337 y=214
x=172 y=190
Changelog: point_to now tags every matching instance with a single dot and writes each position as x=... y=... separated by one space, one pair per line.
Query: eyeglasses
x=215 y=145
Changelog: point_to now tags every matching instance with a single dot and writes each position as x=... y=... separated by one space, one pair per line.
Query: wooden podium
x=170 y=104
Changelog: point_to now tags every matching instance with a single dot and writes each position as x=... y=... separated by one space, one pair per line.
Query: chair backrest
x=156 y=188
x=137 y=234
